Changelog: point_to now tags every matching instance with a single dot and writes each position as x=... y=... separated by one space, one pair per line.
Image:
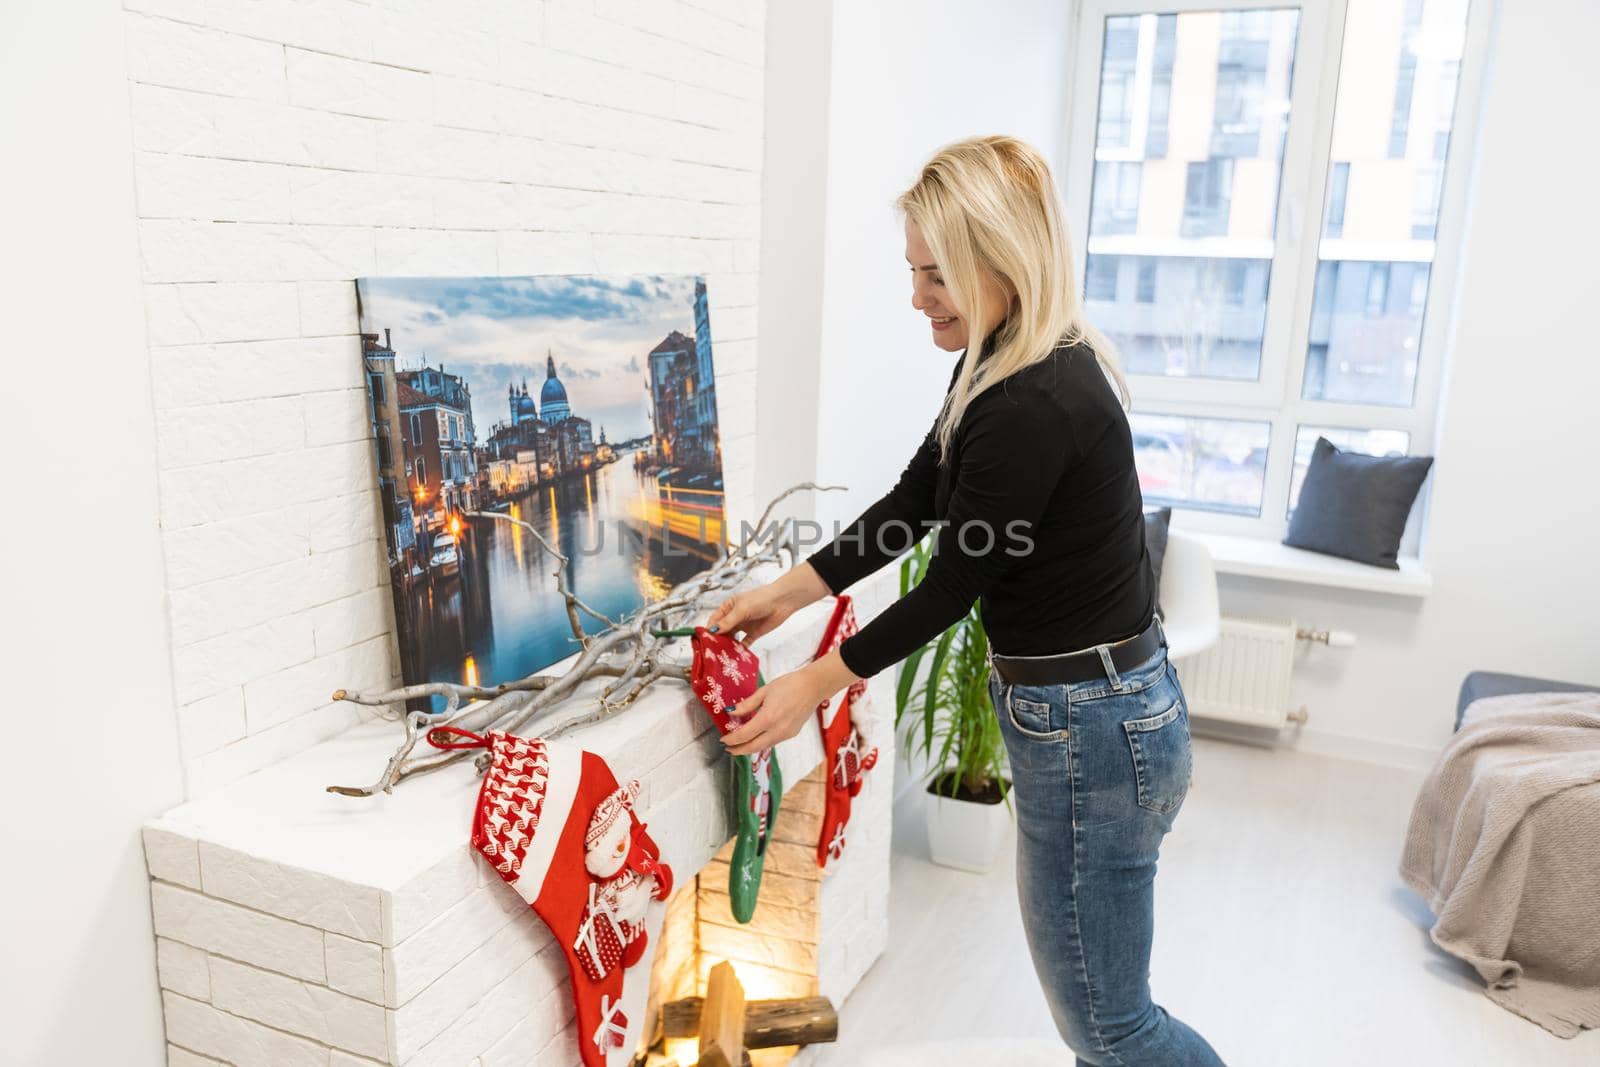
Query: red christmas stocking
x=558 y=828
x=843 y=745
x=724 y=673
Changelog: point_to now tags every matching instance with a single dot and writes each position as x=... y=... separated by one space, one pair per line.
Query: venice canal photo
x=584 y=406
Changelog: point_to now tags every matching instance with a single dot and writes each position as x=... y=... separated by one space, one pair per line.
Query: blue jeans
x=1099 y=770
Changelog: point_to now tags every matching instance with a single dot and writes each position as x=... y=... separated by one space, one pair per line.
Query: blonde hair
x=988 y=205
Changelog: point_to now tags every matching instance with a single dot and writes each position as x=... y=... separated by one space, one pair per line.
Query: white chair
x=1191 y=617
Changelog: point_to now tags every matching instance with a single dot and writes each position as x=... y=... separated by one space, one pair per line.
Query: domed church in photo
x=553 y=407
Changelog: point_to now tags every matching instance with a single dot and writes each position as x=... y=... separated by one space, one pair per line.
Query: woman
x=1030 y=465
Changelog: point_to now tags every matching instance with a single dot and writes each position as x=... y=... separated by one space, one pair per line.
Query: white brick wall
x=298 y=928
x=285 y=147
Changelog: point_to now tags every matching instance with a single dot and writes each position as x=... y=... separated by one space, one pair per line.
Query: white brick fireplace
x=296 y=927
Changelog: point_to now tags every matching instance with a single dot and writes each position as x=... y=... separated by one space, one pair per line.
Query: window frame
x=1304 y=180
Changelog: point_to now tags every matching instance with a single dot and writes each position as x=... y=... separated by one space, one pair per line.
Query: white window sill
x=1254 y=557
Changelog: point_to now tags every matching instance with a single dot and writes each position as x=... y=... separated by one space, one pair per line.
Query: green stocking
x=754 y=826
x=724 y=673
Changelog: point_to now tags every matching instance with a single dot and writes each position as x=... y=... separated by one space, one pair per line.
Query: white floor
x=1282 y=933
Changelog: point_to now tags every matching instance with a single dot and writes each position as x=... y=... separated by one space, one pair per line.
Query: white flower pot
x=965 y=834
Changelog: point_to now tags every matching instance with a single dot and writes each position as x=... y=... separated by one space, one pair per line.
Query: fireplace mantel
x=295 y=926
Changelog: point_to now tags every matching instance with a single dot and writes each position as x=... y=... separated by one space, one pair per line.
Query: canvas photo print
x=582 y=406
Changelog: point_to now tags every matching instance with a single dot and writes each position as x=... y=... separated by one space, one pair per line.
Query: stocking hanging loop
x=438 y=733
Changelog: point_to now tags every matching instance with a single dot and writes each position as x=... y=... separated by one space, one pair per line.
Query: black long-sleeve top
x=1044 y=459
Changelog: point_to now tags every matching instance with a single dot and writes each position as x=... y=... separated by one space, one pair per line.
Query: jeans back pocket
x=1162 y=758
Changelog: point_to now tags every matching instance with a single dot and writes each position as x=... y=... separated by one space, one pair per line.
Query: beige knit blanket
x=1504 y=845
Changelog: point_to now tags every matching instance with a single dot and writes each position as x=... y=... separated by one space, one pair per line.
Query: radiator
x=1244 y=677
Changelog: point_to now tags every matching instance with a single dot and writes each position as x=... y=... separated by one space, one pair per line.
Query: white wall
x=91 y=745
x=1516 y=501
x=862 y=95
x=794 y=187
x=906 y=79
x=283 y=149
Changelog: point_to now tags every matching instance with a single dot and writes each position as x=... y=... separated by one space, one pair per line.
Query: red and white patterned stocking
x=844 y=746
x=557 y=827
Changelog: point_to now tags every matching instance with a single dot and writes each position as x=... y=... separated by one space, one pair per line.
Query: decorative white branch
x=627 y=651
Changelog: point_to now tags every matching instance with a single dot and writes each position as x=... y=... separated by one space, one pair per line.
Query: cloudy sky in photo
x=494 y=332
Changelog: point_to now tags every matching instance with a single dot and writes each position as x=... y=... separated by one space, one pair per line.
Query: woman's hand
x=760 y=611
x=778 y=710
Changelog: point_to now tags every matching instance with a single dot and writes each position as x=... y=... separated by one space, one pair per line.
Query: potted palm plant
x=942 y=706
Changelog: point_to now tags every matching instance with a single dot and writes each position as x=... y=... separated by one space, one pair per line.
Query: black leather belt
x=1085 y=666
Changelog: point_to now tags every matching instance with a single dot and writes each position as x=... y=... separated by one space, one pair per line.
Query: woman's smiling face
x=929 y=296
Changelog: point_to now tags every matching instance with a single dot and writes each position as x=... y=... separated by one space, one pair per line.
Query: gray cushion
x=1480 y=684
x=1156 y=526
x=1355 y=506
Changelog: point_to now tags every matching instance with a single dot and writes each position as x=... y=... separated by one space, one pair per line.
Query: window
x=1338 y=191
x=1444 y=107
x=1377 y=288
x=1116 y=197
x=1117 y=85
x=1244 y=336
x=422 y=471
x=1146 y=291
x=375 y=396
x=391 y=507
x=1165 y=51
x=1245 y=41
x=385 y=456
x=1216 y=463
x=1238 y=283
x=416 y=429
x=1102 y=281
x=1406 y=81
x=1206 y=196
x=1429 y=185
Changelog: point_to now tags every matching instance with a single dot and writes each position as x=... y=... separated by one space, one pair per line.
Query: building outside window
x=1207 y=194
x=1248 y=324
x=1102 y=281
x=1243 y=54
x=1428 y=183
x=1146 y=293
x=1405 y=81
x=1117 y=86
x=1165 y=52
x=1338 y=191
x=1116 y=197
x=1377 y=289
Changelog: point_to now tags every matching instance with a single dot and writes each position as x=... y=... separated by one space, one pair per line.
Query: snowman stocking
x=724 y=673
x=559 y=829
x=843 y=744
